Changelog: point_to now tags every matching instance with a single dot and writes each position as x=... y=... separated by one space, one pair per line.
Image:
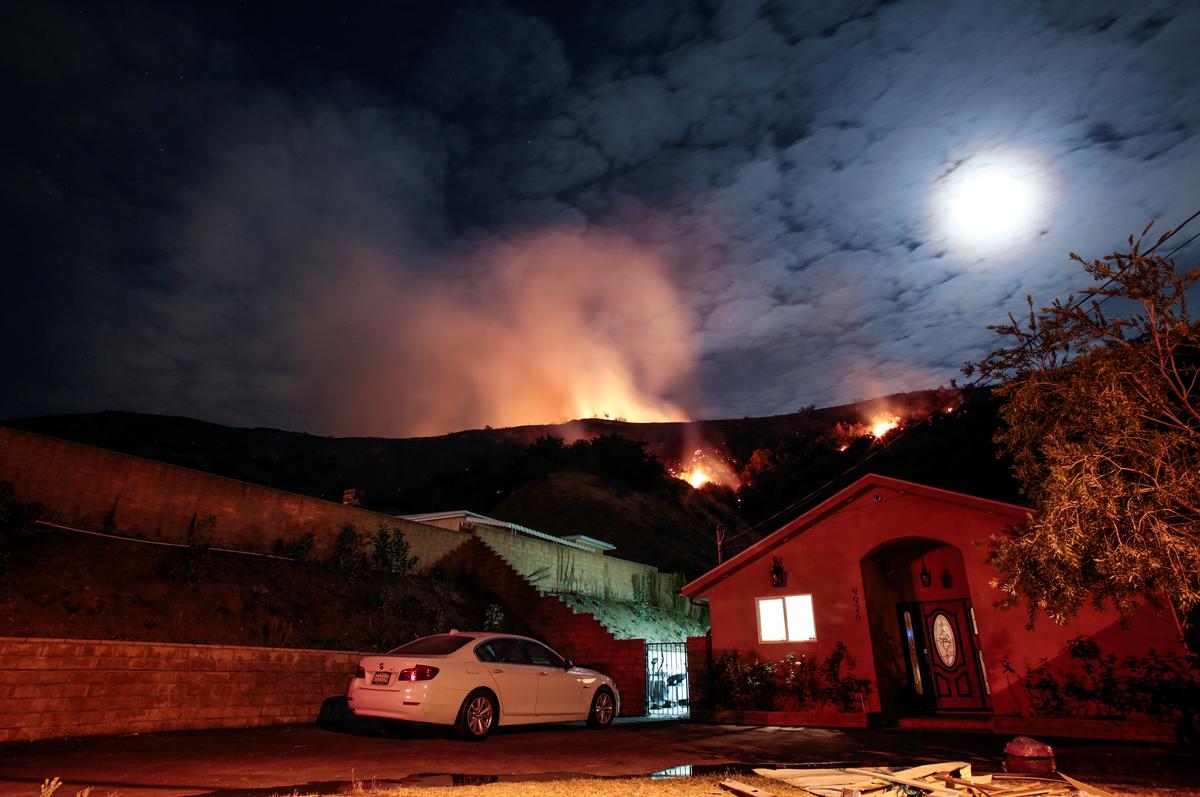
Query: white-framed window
x=786 y=619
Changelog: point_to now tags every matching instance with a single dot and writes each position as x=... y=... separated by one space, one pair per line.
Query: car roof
x=476 y=638
x=483 y=636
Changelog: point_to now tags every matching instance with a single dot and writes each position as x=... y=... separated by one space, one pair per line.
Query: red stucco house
x=896 y=571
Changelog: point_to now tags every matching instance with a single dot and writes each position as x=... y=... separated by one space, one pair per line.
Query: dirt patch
x=67 y=585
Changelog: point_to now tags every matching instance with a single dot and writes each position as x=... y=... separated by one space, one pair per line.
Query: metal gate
x=666 y=679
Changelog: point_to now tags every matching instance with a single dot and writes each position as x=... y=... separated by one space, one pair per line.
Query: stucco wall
x=96 y=489
x=825 y=560
x=52 y=688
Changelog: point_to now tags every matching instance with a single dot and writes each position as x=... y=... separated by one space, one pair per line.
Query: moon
x=991 y=200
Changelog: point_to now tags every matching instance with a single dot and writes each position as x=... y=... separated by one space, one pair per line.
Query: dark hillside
x=951 y=450
x=672 y=527
x=613 y=487
x=427 y=473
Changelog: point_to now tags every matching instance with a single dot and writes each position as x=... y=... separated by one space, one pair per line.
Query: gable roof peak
x=833 y=504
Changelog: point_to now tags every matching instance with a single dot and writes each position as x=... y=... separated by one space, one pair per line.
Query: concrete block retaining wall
x=96 y=489
x=551 y=567
x=52 y=688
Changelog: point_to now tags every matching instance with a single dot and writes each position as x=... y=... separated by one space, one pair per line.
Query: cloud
x=311 y=271
x=715 y=209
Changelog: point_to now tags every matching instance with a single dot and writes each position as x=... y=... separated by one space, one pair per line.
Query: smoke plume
x=546 y=328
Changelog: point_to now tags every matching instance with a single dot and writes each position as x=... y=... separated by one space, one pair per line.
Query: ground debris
x=744 y=790
x=945 y=779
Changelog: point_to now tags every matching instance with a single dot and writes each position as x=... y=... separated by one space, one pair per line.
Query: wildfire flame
x=883 y=423
x=706 y=467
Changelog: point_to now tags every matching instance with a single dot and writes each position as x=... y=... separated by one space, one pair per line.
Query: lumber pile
x=945 y=779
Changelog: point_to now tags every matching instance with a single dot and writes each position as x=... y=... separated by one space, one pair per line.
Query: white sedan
x=476 y=681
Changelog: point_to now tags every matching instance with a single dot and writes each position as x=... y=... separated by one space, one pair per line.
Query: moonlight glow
x=991 y=200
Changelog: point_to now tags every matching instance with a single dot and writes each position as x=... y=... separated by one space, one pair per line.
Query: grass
x=697 y=786
x=578 y=787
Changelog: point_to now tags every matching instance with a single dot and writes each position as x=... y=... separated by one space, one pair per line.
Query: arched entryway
x=923 y=632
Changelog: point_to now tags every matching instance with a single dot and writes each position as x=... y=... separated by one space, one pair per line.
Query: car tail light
x=360 y=672
x=422 y=672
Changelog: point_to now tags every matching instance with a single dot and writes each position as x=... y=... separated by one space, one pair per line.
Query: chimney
x=353 y=497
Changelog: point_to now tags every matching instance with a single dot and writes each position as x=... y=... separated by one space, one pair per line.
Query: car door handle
x=498 y=669
x=543 y=673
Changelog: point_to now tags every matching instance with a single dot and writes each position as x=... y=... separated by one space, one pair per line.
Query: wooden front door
x=950 y=652
x=943 y=655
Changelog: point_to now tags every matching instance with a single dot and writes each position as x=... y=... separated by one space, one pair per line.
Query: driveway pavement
x=262 y=761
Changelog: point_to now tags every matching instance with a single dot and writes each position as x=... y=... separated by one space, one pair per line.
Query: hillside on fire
x=659 y=492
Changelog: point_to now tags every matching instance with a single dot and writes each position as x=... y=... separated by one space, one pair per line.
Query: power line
x=978 y=382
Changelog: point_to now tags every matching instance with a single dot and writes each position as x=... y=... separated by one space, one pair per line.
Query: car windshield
x=440 y=645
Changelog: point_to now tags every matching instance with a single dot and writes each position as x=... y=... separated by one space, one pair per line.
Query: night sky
x=394 y=219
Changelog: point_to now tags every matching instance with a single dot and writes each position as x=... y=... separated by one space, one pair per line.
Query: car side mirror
x=568 y=664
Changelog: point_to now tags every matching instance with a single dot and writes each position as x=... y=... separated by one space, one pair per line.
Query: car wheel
x=604 y=708
x=478 y=716
x=394 y=726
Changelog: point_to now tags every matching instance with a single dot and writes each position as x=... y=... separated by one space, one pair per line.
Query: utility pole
x=720 y=532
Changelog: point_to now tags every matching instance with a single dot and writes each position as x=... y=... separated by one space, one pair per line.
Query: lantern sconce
x=947 y=579
x=778 y=574
x=926 y=576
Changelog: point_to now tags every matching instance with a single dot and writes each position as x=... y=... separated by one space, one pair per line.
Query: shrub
x=807 y=683
x=348 y=556
x=298 y=549
x=16 y=519
x=493 y=617
x=741 y=684
x=391 y=552
x=842 y=689
x=192 y=563
x=1103 y=685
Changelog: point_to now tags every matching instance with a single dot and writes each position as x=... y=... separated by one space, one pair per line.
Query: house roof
x=584 y=539
x=832 y=505
x=469 y=517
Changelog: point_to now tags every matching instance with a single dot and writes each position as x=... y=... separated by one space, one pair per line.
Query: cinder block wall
x=51 y=688
x=552 y=567
x=97 y=489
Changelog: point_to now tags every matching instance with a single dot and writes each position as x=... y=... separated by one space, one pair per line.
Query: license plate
x=381 y=678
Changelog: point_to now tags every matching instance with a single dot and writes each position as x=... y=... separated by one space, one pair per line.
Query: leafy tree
x=1102 y=422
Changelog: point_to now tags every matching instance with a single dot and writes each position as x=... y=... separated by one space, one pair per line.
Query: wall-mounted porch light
x=778 y=574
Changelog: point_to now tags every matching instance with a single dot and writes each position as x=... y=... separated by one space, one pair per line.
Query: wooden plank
x=925 y=770
x=831 y=778
x=1081 y=786
x=981 y=782
x=1031 y=789
x=744 y=790
x=935 y=790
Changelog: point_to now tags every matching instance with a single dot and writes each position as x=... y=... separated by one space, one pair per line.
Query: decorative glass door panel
x=950 y=655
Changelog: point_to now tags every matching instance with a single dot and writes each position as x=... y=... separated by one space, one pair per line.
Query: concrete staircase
x=580 y=637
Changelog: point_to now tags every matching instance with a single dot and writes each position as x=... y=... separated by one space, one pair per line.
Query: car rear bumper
x=438 y=706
